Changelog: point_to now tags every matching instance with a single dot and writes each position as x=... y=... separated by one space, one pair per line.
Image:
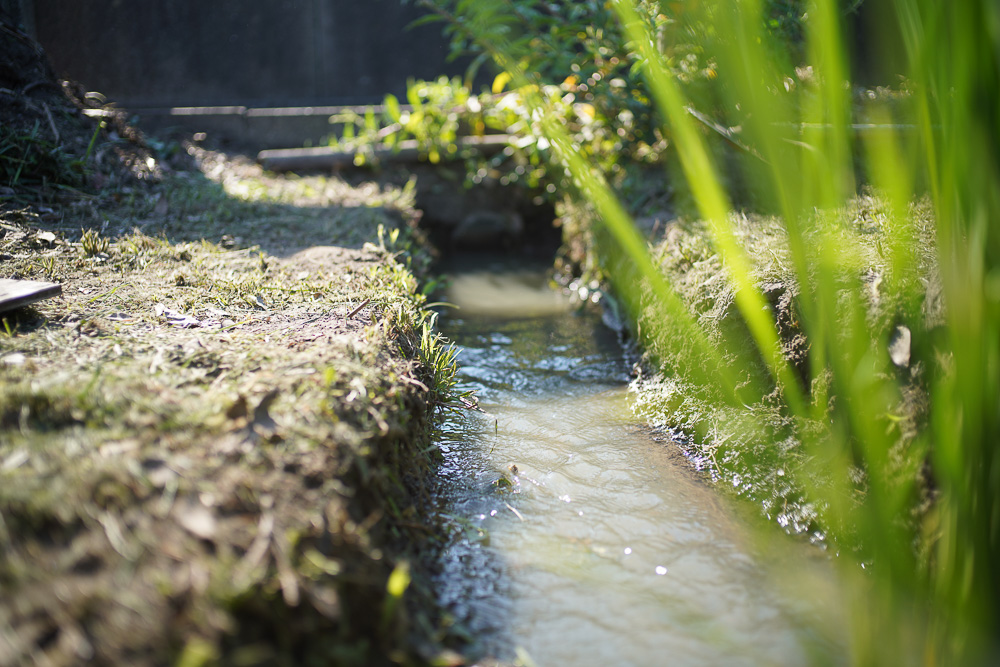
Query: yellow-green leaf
x=500 y=82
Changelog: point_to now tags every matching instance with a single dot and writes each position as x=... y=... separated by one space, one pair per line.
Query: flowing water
x=579 y=538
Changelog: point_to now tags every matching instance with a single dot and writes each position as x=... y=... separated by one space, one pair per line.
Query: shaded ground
x=212 y=444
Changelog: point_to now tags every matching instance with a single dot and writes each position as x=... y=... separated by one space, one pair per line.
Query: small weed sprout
x=93 y=244
x=48 y=264
x=392 y=247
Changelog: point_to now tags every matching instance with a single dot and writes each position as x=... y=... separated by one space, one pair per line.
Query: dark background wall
x=154 y=53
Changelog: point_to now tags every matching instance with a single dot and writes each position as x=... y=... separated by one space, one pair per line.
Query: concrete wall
x=151 y=53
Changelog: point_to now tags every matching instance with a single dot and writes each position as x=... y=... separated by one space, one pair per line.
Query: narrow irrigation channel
x=577 y=537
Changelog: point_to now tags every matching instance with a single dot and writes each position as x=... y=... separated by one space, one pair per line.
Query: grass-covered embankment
x=756 y=446
x=211 y=451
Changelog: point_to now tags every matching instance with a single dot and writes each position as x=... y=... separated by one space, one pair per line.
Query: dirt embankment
x=212 y=443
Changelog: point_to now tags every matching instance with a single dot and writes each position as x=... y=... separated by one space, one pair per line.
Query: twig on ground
x=359 y=308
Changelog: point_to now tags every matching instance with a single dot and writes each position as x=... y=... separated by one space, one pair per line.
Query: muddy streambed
x=577 y=537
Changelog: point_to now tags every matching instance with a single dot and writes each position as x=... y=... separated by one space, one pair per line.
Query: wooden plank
x=324 y=157
x=19 y=293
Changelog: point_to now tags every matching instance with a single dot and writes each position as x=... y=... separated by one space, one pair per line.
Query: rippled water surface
x=606 y=548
